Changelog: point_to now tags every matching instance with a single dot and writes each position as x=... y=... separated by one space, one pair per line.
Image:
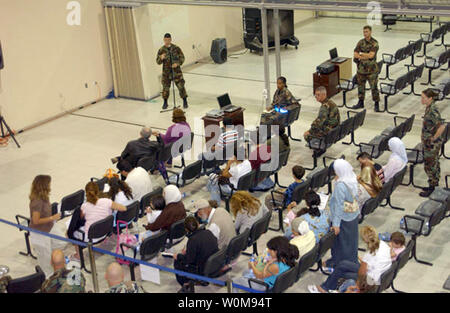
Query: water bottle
x=67 y=259
x=384 y=236
x=402 y=223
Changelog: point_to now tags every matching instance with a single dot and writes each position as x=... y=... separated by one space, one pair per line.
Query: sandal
x=313 y=289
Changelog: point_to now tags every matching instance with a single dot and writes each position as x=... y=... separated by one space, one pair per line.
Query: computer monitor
x=224 y=100
x=333 y=53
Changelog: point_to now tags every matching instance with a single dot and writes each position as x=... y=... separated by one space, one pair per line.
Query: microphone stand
x=173 y=83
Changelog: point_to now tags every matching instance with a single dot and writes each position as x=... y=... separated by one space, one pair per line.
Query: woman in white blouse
x=398 y=159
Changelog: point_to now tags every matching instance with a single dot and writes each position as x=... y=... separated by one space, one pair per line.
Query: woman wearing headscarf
x=173 y=212
x=304 y=238
x=344 y=215
x=398 y=159
x=369 y=183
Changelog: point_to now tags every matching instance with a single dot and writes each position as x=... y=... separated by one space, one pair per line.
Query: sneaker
x=114 y=160
x=313 y=289
x=328 y=270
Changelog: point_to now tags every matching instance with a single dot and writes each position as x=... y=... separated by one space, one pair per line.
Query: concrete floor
x=75 y=147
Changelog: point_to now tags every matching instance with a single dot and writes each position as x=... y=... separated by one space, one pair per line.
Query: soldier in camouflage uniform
x=432 y=129
x=282 y=98
x=115 y=277
x=365 y=56
x=172 y=58
x=328 y=118
x=63 y=280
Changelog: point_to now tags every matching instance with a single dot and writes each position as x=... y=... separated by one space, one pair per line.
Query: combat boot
x=427 y=193
x=185 y=104
x=165 y=105
x=360 y=105
x=377 y=106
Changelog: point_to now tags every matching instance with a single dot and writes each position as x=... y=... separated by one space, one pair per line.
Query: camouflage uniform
x=368 y=69
x=431 y=122
x=328 y=119
x=4 y=281
x=125 y=287
x=173 y=55
x=65 y=281
x=282 y=98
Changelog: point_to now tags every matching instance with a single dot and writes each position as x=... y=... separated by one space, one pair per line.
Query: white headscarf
x=303 y=228
x=345 y=174
x=172 y=194
x=398 y=150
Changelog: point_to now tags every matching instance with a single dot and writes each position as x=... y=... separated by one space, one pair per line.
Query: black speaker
x=2 y=65
x=219 y=50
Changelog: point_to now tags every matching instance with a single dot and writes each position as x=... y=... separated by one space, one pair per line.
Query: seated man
x=115 y=277
x=63 y=280
x=217 y=220
x=137 y=149
x=328 y=118
x=136 y=178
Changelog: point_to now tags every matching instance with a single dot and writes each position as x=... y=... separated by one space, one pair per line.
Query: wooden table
x=237 y=118
x=344 y=69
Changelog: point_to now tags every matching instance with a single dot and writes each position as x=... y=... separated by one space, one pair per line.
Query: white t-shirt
x=140 y=183
x=379 y=263
x=239 y=170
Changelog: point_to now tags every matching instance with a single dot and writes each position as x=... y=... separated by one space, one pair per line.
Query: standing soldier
x=172 y=58
x=328 y=118
x=365 y=56
x=432 y=129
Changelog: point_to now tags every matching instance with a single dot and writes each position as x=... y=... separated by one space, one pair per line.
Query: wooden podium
x=330 y=81
x=237 y=117
x=344 y=69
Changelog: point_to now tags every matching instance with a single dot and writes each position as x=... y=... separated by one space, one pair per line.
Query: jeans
x=213 y=188
x=345 y=247
x=346 y=284
x=344 y=269
x=288 y=232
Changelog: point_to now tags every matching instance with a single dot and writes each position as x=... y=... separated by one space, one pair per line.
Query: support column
x=266 y=55
x=276 y=22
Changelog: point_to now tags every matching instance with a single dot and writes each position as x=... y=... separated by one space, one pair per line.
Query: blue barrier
x=166 y=269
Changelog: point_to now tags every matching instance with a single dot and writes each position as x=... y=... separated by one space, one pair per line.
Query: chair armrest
x=370 y=145
x=321 y=139
x=351 y=111
x=391 y=56
x=21 y=217
x=391 y=87
x=425 y=35
x=414 y=217
x=446 y=180
x=327 y=157
x=417 y=154
x=83 y=234
x=259 y=282
x=399 y=117
x=130 y=247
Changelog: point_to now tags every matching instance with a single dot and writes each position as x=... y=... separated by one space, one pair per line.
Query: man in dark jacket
x=200 y=246
x=137 y=149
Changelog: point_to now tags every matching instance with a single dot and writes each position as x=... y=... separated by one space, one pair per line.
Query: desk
x=344 y=69
x=237 y=117
x=330 y=81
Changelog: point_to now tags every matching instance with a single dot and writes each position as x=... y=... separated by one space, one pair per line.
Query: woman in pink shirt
x=94 y=210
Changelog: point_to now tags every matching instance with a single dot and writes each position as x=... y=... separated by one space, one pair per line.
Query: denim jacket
x=341 y=193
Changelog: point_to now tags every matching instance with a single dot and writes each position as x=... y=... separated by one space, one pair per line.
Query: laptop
x=334 y=56
x=225 y=103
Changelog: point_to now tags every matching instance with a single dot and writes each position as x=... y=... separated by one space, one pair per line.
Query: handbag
x=124 y=238
x=350 y=207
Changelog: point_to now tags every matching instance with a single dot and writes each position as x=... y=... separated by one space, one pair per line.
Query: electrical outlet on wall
x=86 y=85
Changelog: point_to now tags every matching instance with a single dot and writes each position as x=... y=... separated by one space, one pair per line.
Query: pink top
x=94 y=213
x=291 y=215
x=397 y=251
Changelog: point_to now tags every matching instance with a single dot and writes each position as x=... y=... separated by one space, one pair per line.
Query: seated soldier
x=281 y=99
x=328 y=118
x=63 y=280
x=139 y=148
x=116 y=281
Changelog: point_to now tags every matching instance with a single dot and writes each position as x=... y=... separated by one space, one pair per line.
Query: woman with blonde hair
x=374 y=263
x=42 y=219
x=246 y=210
